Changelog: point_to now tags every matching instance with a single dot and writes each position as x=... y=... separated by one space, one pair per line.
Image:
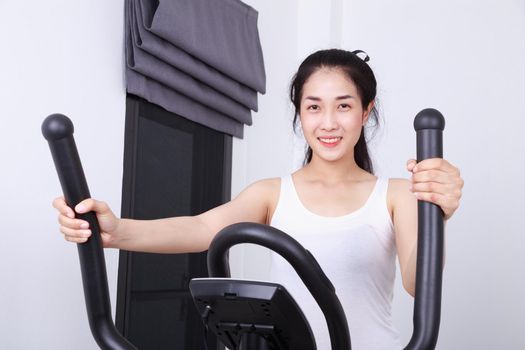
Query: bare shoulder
x=268 y=184
x=265 y=190
x=398 y=192
x=265 y=187
x=251 y=205
x=398 y=185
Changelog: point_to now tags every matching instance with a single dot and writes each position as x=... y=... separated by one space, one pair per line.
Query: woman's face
x=331 y=114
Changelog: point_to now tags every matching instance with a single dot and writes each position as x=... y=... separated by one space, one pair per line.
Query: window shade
x=201 y=59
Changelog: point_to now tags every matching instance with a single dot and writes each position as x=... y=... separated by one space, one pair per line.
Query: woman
x=353 y=222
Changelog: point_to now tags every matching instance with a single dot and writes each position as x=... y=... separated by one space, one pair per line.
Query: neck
x=334 y=171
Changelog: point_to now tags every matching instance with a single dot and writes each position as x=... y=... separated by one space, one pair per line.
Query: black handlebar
x=58 y=131
x=429 y=125
x=302 y=261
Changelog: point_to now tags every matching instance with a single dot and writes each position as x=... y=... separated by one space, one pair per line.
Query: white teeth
x=330 y=140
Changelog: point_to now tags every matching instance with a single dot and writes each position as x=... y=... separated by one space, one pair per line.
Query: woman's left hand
x=436 y=180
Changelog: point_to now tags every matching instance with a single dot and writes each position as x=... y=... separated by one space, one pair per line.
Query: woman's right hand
x=77 y=230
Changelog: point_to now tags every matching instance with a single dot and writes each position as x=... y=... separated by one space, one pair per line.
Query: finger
x=60 y=204
x=446 y=203
x=72 y=233
x=72 y=223
x=448 y=190
x=436 y=163
x=433 y=176
x=411 y=163
x=75 y=239
x=91 y=204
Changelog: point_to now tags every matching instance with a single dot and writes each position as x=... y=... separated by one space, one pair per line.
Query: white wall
x=57 y=56
x=462 y=57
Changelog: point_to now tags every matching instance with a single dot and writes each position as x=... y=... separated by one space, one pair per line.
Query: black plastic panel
x=172 y=167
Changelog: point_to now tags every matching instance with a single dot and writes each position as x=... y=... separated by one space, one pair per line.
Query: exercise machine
x=258 y=315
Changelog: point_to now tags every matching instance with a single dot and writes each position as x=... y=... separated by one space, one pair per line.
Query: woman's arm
x=172 y=235
x=404 y=218
x=434 y=180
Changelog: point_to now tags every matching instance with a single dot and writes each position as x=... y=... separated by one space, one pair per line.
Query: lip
x=331 y=144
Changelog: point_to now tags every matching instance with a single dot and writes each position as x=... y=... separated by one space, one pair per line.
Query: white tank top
x=357 y=253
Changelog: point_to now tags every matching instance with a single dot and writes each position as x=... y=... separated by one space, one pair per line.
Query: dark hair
x=359 y=72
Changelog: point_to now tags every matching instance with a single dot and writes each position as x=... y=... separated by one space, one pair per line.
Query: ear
x=367 y=111
x=298 y=123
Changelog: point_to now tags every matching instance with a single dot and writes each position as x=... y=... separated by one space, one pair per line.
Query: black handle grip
x=429 y=125
x=302 y=261
x=58 y=131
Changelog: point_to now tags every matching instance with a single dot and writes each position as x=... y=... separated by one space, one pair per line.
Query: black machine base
x=251 y=314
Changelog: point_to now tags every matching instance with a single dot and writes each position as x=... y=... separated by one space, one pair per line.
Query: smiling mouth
x=329 y=140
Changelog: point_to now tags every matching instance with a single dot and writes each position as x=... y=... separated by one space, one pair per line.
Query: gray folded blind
x=201 y=59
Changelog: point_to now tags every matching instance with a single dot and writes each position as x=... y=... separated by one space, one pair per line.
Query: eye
x=313 y=108
x=344 y=106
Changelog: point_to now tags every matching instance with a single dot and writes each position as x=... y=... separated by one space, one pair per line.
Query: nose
x=329 y=121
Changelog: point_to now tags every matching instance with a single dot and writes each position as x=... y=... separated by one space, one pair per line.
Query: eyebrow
x=314 y=98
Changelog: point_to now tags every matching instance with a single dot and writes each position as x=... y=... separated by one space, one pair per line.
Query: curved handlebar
x=302 y=261
x=58 y=131
x=429 y=125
